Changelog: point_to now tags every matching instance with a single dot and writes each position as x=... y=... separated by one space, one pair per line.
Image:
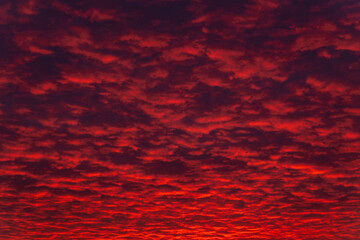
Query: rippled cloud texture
x=176 y=119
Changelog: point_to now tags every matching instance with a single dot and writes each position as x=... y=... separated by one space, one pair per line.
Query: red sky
x=178 y=119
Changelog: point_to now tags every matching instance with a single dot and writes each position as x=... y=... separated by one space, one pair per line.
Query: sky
x=179 y=119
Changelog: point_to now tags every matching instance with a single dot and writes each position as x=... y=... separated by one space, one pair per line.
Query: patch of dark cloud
x=90 y=167
x=170 y=168
x=41 y=69
x=209 y=98
x=18 y=183
x=127 y=156
x=166 y=16
x=120 y=117
x=132 y=187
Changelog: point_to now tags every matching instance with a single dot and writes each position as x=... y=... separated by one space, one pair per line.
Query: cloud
x=175 y=119
x=175 y=167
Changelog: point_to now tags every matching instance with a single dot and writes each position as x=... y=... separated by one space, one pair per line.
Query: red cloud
x=179 y=119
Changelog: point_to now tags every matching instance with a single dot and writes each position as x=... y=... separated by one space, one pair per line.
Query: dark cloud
x=127 y=156
x=89 y=167
x=158 y=167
